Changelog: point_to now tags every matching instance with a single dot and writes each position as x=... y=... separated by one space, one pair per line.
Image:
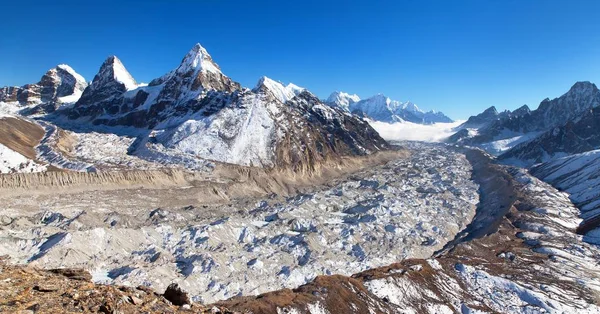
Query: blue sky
x=459 y=57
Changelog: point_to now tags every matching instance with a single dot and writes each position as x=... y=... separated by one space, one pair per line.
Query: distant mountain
x=342 y=100
x=500 y=132
x=382 y=108
x=59 y=86
x=576 y=136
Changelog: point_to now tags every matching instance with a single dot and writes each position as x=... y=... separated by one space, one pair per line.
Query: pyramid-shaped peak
x=583 y=86
x=113 y=70
x=198 y=59
x=198 y=49
x=410 y=106
x=491 y=110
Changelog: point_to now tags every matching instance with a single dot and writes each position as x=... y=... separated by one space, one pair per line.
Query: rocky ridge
x=513 y=133
x=59 y=86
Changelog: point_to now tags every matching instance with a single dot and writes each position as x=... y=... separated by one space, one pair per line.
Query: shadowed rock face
x=58 y=82
x=318 y=132
x=574 y=137
x=525 y=137
x=104 y=95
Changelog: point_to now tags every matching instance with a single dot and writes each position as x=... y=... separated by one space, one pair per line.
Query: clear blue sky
x=455 y=56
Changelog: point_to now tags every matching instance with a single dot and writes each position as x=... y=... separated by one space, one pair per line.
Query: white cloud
x=408 y=131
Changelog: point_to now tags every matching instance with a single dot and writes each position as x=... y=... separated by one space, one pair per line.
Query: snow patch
x=13 y=162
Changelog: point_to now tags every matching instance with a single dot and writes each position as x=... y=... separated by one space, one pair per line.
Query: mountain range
x=382 y=108
x=196 y=111
x=558 y=127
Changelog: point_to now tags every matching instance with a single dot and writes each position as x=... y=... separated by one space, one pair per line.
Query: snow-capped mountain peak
x=197 y=60
x=113 y=70
x=382 y=108
x=80 y=79
x=342 y=100
x=196 y=73
x=411 y=107
x=280 y=91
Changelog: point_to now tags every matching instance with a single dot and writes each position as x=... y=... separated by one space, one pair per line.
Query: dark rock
x=176 y=295
x=73 y=273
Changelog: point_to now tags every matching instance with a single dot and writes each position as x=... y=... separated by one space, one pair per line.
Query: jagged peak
x=491 y=110
x=198 y=59
x=581 y=87
x=68 y=69
x=523 y=108
x=113 y=69
x=339 y=96
x=278 y=89
x=411 y=107
x=583 y=84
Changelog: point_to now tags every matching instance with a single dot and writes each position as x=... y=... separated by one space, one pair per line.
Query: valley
x=192 y=193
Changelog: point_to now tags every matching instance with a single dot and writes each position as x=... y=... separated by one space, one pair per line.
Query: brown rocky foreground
x=25 y=289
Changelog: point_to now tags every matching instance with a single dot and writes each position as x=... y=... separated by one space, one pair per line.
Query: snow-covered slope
x=243 y=134
x=577 y=175
x=13 y=162
x=383 y=109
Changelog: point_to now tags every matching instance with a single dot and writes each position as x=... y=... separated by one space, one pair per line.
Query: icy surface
x=472 y=278
x=407 y=208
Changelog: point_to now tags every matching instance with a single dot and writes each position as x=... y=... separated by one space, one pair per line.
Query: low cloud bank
x=407 y=131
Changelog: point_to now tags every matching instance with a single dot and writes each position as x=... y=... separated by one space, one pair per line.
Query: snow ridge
x=281 y=92
x=383 y=109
